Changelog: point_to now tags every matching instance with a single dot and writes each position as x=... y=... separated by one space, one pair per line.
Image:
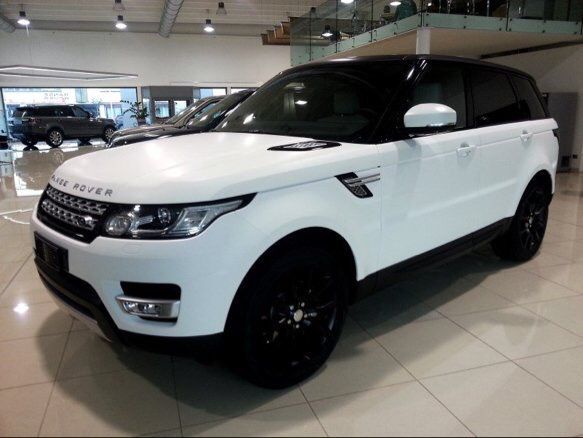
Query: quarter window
x=494 y=99
x=530 y=104
x=445 y=85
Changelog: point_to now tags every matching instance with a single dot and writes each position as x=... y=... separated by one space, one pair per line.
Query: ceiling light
x=118 y=6
x=346 y=2
x=120 y=24
x=22 y=20
x=221 y=9
x=395 y=3
x=327 y=31
x=208 y=27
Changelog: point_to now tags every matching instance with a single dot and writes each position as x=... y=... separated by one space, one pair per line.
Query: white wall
x=558 y=70
x=178 y=60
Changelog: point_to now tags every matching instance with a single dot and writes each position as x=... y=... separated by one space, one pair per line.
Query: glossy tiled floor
x=477 y=347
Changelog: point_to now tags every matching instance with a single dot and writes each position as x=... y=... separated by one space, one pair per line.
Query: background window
x=530 y=105
x=445 y=85
x=494 y=99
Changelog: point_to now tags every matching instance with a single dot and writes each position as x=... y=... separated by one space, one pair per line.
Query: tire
x=55 y=138
x=525 y=235
x=29 y=142
x=107 y=133
x=288 y=318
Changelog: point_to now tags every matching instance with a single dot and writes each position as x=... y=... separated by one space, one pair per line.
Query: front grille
x=73 y=216
x=75 y=203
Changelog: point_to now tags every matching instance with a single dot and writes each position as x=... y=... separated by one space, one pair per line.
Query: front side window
x=530 y=105
x=342 y=103
x=80 y=112
x=494 y=99
x=442 y=84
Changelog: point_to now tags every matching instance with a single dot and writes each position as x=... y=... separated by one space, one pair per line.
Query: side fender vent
x=305 y=146
x=357 y=185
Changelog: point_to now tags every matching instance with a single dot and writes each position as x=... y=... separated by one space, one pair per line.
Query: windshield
x=333 y=102
x=212 y=115
x=182 y=117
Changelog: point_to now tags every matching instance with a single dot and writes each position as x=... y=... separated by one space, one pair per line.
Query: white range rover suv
x=327 y=184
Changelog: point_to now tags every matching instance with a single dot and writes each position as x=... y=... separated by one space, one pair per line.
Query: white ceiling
x=240 y=12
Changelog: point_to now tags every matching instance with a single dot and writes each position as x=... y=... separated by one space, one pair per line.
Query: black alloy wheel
x=533 y=220
x=525 y=235
x=293 y=318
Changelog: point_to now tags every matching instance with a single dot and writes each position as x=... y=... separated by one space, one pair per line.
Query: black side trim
x=305 y=146
x=434 y=257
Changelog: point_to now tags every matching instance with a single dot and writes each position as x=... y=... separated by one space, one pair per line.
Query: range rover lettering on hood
x=82 y=188
x=305 y=146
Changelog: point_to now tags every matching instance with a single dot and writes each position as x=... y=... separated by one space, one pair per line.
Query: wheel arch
x=314 y=236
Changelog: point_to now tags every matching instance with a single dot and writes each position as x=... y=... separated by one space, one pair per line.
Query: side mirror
x=429 y=118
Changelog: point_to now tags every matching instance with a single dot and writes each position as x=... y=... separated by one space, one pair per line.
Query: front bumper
x=208 y=269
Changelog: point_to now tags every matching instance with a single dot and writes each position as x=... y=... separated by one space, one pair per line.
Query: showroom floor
x=476 y=347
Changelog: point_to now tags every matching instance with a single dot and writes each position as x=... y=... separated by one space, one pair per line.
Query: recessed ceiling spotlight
x=221 y=10
x=208 y=27
x=22 y=20
x=120 y=23
x=395 y=3
x=346 y=2
x=327 y=32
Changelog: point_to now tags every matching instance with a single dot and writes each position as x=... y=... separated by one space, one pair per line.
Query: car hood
x=137 y=135
x=137 y=130
x=204 y=167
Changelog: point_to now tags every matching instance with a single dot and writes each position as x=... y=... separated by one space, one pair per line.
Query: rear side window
x=494 y=99
x=44 y=112
x=443 y=84
x=64 y=111
x=530 y=105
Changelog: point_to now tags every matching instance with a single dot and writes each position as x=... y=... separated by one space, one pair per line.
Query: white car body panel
x=432 y=191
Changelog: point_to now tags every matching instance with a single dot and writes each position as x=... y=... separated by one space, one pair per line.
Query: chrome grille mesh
x=87 y=222
x=73 y=202
x=76 y=217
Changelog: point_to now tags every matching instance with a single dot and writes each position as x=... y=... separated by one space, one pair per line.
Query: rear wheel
x=55 y=138
x=290 y=317
x=525 y=235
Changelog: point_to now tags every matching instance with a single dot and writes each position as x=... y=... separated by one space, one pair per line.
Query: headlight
x=169 y=221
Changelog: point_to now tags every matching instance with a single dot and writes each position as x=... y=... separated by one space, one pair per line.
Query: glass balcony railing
x=337 y=26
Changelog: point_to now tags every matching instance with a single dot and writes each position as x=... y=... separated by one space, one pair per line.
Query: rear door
x=507 y=135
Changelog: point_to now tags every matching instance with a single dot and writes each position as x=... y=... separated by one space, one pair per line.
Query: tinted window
x=335 y=103
x=442 y=84
x=212 y=115
x=530 y=104
x=44 y=112
x=64 y=111
x=19 y=112
x=494 y=99
x=78 y=112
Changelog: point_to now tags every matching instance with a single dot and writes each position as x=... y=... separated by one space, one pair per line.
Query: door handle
x=465 y=150
x=525 y=136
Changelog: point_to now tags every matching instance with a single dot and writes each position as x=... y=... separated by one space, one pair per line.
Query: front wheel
x=525 y=235
x=107 y=133
x=55 y=138
x=289 y=318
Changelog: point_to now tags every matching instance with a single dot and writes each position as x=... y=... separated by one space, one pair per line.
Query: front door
x=430 y=183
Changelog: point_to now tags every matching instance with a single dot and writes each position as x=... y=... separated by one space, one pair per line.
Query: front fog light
x=159 y=309
x=118 y=224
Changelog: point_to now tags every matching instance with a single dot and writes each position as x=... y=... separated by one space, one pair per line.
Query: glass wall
x=340 y=25
x=200 y=93
x=101 y=102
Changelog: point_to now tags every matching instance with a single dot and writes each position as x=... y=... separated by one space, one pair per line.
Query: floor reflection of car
x=56 y=123
x=193 y=119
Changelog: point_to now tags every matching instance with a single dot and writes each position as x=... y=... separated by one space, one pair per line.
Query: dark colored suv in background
x=56 y=123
